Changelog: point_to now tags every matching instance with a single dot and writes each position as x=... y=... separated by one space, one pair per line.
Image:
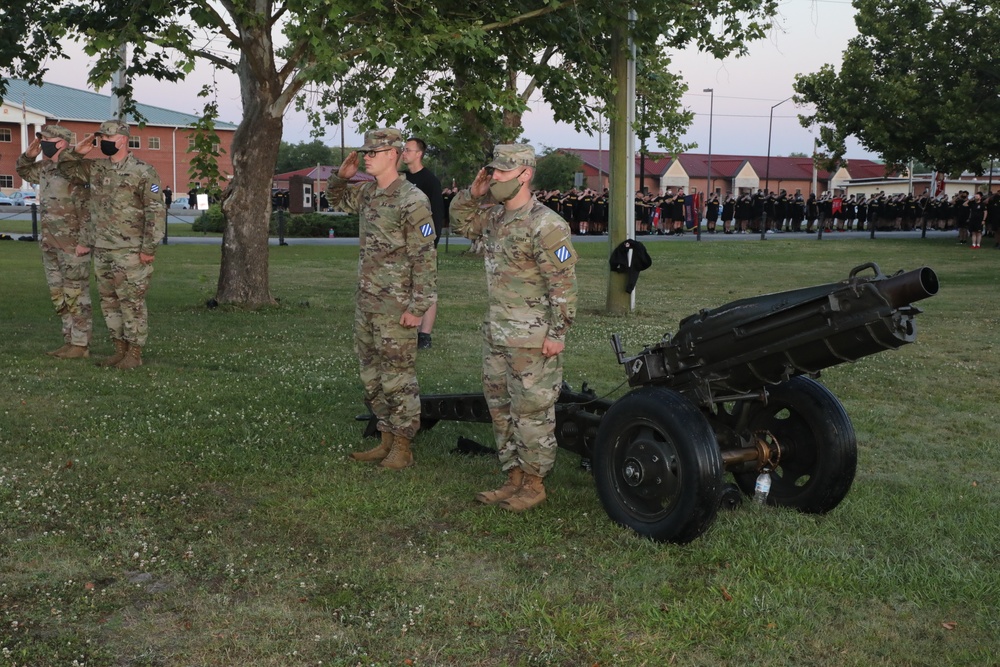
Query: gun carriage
x=732 y=391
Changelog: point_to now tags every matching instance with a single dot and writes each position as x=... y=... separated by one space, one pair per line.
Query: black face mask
x=49 y=148
x=109 y=148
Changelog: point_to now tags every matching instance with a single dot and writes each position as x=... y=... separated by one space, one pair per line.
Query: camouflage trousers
x=387 y=352
x=521 y=387
x=68 y=277
x=122 y=281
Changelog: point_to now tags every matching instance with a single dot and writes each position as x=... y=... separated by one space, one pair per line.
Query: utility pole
x=621 y=213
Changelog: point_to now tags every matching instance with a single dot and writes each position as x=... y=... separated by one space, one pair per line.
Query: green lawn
x=202 y=510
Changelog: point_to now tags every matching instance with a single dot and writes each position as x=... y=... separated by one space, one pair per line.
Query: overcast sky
x=808 y=34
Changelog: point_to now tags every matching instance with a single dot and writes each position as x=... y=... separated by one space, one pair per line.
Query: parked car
x=5 y=200
x=22 y=198
x=179 y=201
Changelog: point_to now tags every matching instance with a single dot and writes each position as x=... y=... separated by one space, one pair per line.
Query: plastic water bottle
x=762 y=488
x=332 y=233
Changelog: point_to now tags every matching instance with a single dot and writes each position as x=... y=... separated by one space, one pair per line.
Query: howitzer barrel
x=750 y=343
x=905 y=288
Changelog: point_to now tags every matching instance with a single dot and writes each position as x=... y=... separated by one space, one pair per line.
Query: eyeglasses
x=373 y=153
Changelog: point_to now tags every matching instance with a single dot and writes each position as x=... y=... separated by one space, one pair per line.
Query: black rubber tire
x=819 y=450
x=657 y=466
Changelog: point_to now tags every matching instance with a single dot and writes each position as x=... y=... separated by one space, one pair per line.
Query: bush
x=210 y=220
x=316 y=225
x=306 y=225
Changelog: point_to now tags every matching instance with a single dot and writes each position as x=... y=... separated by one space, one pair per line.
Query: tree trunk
x=246 y=203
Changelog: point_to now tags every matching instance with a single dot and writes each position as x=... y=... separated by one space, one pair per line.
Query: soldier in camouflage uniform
x=531 y=281
x=126 y=227
x=63 y=207
x=397 y=283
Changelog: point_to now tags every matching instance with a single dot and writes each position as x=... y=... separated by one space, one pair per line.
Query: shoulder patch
x=154 y=188
x=426 y=229
x=556 y=244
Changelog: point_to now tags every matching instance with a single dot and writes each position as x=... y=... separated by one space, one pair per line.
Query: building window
x=6 y=181
x=190 y=143
x=5 y=135
x=73 y=141
x=134 y=142
x=154 y=143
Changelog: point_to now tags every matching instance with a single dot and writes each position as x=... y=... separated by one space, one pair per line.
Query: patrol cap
x=382 y=137
x=110 y=127
x=512 y=156
x=57 y=132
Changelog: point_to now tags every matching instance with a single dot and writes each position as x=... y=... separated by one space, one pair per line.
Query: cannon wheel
x=657 y=466
x=819 y=451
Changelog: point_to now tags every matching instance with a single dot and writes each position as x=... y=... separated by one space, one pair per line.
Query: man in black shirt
x=428 y=183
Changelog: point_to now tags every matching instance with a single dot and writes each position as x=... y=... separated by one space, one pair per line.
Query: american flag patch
x=427 y=229
x=154 y=188
x=562 y=254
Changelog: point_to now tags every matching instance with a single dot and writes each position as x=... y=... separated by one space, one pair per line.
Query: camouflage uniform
x=531 y=281
x=63 y=209
x=127 y=218
x=397 y=273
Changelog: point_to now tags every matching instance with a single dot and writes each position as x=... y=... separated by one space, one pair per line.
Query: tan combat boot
x=376 y=453
x=510 y=487
x=60 y=351
x=121 y=347
x=530 y=493
x=74 y=352
x=132 y=358
x=400 y=455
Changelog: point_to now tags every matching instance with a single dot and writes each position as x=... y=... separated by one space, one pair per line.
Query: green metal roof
x=64 y=103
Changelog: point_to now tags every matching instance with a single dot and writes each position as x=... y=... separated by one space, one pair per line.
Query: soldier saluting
x=126 y=226
x=397 y=283
x=531 y=281
x=63 y=208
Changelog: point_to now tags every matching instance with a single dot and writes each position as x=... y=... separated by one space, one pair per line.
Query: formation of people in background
x=972 y=215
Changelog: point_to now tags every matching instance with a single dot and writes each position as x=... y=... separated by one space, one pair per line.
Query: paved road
x=687 y=238
x=184 y=216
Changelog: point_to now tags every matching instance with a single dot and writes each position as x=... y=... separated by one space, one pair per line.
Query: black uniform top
x=429 y=184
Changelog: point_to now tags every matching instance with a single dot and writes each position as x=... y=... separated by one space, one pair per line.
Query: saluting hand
x=349 y=167
x=84 y=145
x=34 y=148
x=481 y=185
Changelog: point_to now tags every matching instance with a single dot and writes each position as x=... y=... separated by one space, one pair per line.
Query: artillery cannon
x=732 y=391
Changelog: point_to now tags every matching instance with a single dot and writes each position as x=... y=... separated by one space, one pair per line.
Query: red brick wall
x=170 y=158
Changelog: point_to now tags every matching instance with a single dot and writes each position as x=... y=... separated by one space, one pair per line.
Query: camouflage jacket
x=530 y=268
x=397 y=262
x=62 y=201
x=126 y=205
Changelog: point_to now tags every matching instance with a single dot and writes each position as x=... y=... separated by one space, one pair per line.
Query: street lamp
x=767 y=169
x=711 y=110
x=770 y=124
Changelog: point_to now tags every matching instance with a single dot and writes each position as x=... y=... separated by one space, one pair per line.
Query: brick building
x=163 y=141
x=730 y=173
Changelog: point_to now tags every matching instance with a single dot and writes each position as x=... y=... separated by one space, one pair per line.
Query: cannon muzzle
x=904 y=288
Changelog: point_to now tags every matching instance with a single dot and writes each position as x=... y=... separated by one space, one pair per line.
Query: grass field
x=201 y=510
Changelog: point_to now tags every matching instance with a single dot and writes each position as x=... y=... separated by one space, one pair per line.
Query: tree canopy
x=555 y=170
x=919 y=82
